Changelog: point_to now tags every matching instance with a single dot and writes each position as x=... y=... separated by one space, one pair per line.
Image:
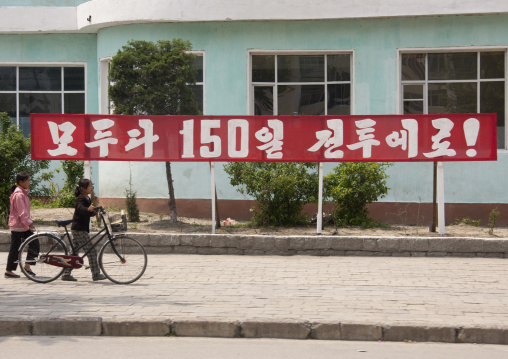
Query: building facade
x=282 y=58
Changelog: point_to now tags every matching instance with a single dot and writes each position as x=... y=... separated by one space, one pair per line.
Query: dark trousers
x=16 y=239
x=80 y=238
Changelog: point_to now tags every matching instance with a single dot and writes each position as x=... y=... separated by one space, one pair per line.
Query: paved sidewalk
x=351 y=298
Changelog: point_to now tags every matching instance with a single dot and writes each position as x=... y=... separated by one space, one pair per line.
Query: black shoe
x=69 y=278
x=11 y=276
x=99 y=277
x=30 y=272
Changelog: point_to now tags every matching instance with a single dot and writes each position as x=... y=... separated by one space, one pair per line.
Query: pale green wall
x=375 y=43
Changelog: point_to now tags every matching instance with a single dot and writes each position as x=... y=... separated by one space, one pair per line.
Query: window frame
x=62 y=91
x=251 y=85
x=478 y=50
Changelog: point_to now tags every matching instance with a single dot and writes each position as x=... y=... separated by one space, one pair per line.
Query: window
x=198 y=88
x=301 y=84
x=455 y=82
x=41 y=89
x=106 y=106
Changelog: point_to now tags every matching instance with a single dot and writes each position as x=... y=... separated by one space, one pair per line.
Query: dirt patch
x=156 y=223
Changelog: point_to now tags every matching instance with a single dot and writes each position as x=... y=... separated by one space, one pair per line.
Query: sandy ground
x=156 y=223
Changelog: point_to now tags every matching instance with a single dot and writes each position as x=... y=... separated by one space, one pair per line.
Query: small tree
x=351 y=186
x=280 y=190
x=74 y=171
x=14 y=158
x=153 y=79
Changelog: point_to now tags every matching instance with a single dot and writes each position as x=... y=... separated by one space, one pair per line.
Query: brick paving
x=373 y=293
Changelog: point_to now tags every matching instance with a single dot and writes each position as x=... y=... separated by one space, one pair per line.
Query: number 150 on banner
x=380 y=138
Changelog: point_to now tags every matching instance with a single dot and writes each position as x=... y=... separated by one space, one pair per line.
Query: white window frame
x=251 y=85
x=62 y=92
x=477 y=49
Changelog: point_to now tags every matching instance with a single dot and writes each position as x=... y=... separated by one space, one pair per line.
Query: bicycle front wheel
x=33 y=251
x=122 y=260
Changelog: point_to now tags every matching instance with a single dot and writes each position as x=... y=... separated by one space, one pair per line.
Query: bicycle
x=122 y=259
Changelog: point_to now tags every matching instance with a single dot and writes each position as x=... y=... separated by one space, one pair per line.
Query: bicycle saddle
x=63 y=223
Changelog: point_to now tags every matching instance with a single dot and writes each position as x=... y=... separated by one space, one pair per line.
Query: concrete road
x=210 y=348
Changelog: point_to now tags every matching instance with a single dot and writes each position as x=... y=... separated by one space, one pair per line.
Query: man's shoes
x=99 y=277
x=11 y=276
x=69 y=278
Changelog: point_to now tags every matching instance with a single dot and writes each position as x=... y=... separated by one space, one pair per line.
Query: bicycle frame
x=108 y=232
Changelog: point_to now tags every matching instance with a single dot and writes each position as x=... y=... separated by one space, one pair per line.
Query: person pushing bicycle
x=80 y=229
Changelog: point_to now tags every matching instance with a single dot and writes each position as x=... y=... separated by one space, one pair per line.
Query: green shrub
x=14 y=158
x=131 y=202
x=280 y=190
x=351 y=186
x=492 y=220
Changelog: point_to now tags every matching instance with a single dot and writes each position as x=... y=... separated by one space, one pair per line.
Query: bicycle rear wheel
x=32 y=252
x=122 y=259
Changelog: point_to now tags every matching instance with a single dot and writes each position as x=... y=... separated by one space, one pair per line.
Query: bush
x=280 y=190
x=14 y=158
x=351 y=186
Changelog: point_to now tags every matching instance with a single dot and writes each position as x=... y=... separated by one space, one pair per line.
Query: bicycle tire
x=134 y=262
x=48 y=244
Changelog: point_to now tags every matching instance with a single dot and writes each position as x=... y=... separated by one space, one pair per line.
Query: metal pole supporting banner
x=440 y=198
x=320 y=199
x=212 y=173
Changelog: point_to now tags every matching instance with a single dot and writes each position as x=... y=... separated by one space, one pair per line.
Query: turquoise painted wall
x=375 y=42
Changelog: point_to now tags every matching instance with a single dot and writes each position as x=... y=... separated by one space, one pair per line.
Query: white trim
x=104 y=84
x=94 y=15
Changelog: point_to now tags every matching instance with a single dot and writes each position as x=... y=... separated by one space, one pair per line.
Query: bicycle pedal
x=87 y=267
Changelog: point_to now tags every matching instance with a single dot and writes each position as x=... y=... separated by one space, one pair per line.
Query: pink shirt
x=19 y=217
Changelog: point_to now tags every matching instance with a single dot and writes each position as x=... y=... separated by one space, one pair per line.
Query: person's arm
x=82 y=207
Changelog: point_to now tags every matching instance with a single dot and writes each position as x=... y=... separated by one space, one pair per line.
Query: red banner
x=381 y=138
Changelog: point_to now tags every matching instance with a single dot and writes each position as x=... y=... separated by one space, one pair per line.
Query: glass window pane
x=263 y=100
x=198 y=65
x=413 y=107
x=413 y=92
x=39 y=103
x=7 y=79
x=453 y=66
x=74 y=103
x=74 y=78
x=8 y=104
x=24 y=125
x=300 y=68
x=301 y=100
x=452 y=98
x=413 y=67
x=40 y=78
x=263 y=68
x=492 y=65
x=339 y=99
x=339 y=67
x=198 y=95
x=492 y=101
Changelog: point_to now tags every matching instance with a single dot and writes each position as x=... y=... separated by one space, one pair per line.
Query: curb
x=96 y=326
x=220 y=244
x=208 y=244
